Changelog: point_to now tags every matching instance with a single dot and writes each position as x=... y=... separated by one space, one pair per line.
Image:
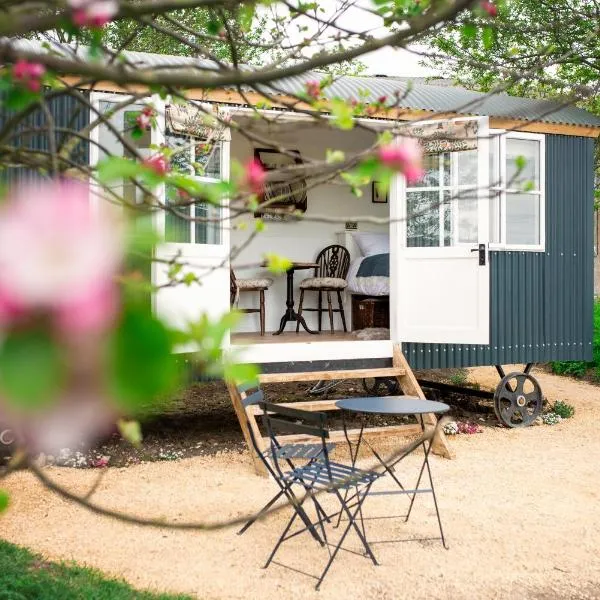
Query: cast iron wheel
x=380 y=386
x=518 y=399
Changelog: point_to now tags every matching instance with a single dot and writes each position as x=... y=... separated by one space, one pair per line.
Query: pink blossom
x=382 y=99
x=143 y=120
x=313 y=89
x=158 y=163
x=255 y=176
x=93 y=13
x=489 y=7
x=29 y=74
x=406 y=157
x=56 y=257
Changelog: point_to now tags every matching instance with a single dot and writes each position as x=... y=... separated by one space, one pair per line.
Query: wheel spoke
x=520 y=384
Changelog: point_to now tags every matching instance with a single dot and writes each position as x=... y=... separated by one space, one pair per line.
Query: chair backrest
x=283 y=419
x=333 y=261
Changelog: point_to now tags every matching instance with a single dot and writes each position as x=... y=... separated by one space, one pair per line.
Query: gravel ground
x=521 y=510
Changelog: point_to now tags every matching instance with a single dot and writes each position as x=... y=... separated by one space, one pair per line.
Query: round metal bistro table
x=396 y=406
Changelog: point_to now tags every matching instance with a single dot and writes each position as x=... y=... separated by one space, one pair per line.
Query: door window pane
x=423 y=221
x=468 y=218
x=177 y=228
x=527 y=152
x=523 y=219
x=431 y=165
x=467 y=168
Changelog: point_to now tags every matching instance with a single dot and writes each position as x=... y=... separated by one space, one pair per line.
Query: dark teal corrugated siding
x=541 y=303
x=68 y=112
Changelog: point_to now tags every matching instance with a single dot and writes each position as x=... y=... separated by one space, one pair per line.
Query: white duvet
x=368 y=286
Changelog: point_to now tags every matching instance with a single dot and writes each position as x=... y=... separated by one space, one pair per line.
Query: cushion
x=371 y=243
x=323 y=282
x=248 y=284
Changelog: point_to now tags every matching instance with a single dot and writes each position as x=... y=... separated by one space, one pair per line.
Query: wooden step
x=338 y=436
x=329 y=375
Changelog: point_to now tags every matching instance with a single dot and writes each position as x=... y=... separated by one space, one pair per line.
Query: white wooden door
x=439 y=286
x=201 y=246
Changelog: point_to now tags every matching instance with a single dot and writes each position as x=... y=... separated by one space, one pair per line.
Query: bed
x=369 y=267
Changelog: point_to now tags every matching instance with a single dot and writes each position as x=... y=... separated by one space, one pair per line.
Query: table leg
x=290 y=314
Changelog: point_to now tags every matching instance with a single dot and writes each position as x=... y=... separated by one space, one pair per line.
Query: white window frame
x=498 y=192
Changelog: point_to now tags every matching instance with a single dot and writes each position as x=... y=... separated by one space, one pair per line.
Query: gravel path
x=521 y=510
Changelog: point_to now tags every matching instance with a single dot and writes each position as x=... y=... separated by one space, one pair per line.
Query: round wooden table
x=290 y=314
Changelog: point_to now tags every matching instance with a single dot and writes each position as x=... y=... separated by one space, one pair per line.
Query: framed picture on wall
x=379 y=195
x=288 y=193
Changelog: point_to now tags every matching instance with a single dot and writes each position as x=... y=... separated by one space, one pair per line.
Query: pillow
x=372 y=243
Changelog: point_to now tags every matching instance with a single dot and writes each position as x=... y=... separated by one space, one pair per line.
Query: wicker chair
x=330 y=276
x=237 y=286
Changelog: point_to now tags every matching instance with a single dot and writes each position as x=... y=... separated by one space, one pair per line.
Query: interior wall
x=300 y=240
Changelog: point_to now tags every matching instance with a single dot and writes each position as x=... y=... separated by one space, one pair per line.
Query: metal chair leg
x=263 y=510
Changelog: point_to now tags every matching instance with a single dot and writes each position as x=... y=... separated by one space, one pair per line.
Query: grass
x=579 y=368
x=27 y=576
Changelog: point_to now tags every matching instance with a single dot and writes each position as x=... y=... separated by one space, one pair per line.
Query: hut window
x=517 y=202
x=185 y=224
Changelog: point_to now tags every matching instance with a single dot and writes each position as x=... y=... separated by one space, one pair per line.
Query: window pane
x=423 y=221
x=495 y=160
x=467 y=167
x=181 y=159
x=468 y=225
x=208 y=232
x=448 y=219
x=529 y=151
x=177 y=228
x=431 y=165
x=522 y=219
x=211 y=162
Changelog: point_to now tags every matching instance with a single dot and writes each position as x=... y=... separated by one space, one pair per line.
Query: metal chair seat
x=299 y=451
x=326 y=474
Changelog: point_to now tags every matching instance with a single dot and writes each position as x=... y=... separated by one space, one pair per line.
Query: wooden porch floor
x=291 y=337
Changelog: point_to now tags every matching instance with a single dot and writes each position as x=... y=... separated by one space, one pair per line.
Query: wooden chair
x=330 y=276
x=260 y=284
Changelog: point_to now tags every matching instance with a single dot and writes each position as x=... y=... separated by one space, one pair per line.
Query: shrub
x=459 y=378
x=563 y=409
x=551 y=418
x=575 y=368
x=578 y=368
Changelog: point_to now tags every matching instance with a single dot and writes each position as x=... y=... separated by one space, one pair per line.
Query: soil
x=201 y=422
x=520 y=507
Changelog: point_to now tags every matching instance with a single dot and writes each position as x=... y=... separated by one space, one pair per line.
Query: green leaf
x=468 y=32
x=214 y=26
x=487 y=36
x=31 y=369
x=277 y=264
x=342 y=114
x=131 y=431
x=4 y=500
x=334 y=156
x=246 y=16
x=141 y=366
x=117 y=167
x=240 y=373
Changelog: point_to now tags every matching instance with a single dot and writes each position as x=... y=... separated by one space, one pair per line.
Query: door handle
x=481 y=249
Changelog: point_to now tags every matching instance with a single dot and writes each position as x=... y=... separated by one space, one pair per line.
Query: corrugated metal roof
x=412 y=94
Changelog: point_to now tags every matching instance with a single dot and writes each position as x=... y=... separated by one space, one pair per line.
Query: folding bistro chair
x=252 y=395
x=318 y=475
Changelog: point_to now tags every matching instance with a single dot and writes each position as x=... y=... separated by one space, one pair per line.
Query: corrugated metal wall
x=541 y=303
x=68 y=112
